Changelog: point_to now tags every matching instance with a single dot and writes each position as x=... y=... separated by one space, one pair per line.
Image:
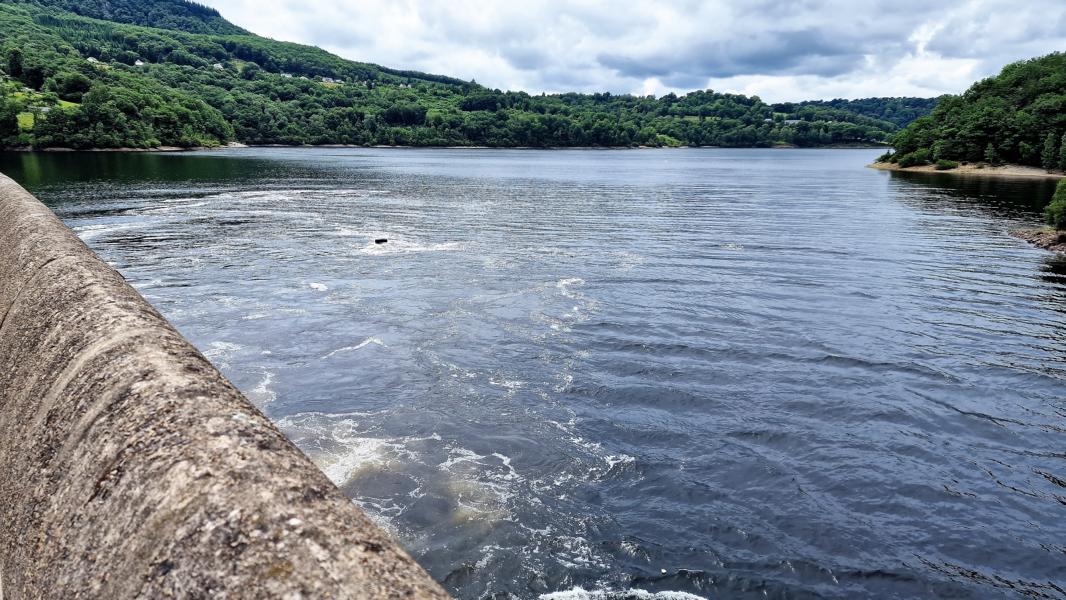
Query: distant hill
x=899 y=111
x=1018 y=116
x=127 y=73
x=177 y=15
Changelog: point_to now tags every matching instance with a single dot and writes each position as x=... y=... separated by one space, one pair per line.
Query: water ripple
x=655 y=375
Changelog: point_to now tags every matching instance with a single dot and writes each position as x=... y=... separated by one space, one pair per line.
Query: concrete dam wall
x=130 y=468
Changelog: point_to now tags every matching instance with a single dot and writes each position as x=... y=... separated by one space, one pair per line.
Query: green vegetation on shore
x=141 y=74
x=1056 y=210
x=1018 y=117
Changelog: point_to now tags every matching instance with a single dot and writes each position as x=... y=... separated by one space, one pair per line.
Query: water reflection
x=1012 y=198
x=35 y=170
x=1054 y=270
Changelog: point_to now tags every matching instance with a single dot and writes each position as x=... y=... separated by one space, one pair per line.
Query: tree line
x=193 y=79
x=1018 y=116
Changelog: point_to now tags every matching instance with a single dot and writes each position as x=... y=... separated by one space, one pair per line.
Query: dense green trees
x=14 y=62
x=898 y=111
x=1018 y=116
x=192 y=79
x=1056 y=210
x=9 y=125
x=125 y=116
x=1062 y=153
x=1049 y=156
x=165 y=14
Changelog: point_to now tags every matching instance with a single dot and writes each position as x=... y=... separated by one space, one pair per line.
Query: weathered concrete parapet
x=130 y=468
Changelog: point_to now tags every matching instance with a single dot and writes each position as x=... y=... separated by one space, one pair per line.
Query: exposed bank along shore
x=1048 y=239
x=974 y=169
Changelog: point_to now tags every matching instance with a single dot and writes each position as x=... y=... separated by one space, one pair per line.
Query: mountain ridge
x=72 y=79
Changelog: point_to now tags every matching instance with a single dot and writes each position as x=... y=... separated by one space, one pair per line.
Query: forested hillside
x=898 y=111
x=123 y=73
x=165 y=14
x=1018 y=117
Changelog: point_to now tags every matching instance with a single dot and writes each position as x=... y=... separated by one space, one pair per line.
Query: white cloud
x=777 y=49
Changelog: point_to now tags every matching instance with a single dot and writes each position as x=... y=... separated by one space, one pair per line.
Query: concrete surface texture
x=130 y=468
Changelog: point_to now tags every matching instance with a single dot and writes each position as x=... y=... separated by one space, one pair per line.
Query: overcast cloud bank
x=777 y=49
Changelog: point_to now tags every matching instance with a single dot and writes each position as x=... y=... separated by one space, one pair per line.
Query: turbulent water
x=637 y=374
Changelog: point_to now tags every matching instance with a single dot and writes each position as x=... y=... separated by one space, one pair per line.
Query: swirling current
x=654 y=374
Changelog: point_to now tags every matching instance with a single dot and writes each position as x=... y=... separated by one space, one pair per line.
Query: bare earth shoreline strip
x=976 y=170
x=1048 y=239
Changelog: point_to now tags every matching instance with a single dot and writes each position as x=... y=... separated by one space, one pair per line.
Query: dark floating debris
x=381 y=240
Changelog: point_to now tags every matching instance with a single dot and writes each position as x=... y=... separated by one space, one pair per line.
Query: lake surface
x=724 y=373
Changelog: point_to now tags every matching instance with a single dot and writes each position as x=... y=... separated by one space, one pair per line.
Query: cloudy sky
x=779 y=50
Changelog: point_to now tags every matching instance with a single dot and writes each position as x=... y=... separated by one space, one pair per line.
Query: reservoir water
x=628 y=374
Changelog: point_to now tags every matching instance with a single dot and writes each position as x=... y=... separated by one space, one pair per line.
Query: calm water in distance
x=724 y=373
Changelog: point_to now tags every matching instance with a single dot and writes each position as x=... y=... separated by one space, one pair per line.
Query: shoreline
x=1045 y=239
x=158 y=149
x=972 y=169
x=238 y=146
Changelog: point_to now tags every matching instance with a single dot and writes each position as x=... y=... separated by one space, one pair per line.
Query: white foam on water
x=339 y=445
x=614 y=460
x=564 y=286
x=146 y=285
x=171 y=206
x=484 y=490
x=595 y=449
x=509 y=384
x=359 y=454
x=579 y=311
x=459 y=456
x=264 y=195
x=564 y=382
x=263 y=392
x=89 y=232
x=506 y=460
x=633 y=594
x=229 y=300
x=401 y=246
x=341 y=192
x=220 y=352
x=359 y=346
x=555 y=324
x=292 y=311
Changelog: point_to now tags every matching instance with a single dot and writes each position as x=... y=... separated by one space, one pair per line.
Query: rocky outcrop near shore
x=1048 y=239
x=130 y=468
